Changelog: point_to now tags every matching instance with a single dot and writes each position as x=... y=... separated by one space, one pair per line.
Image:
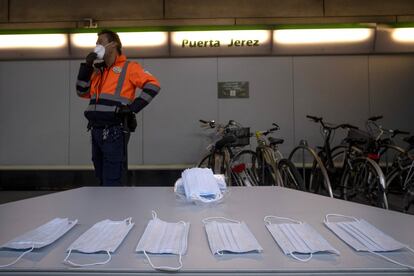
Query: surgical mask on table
x=162 y=237
x=105 y=235
x=201 y=185
x=40 y=237
x=362 y=236
x=297 y=237
x=233 y=236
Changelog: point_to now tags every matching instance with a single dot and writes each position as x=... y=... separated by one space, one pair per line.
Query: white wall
x=42 y=123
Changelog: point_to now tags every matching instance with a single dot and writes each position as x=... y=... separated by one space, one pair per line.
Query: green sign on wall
x=233 y=89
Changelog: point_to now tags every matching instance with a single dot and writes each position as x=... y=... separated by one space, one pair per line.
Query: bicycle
x=316 y=172
x=384 y=150
x=400 y=180
x=233 y=137
x=362 y=178
x=332 y=158
x=272 y=168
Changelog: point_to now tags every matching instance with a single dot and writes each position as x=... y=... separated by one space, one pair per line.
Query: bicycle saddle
x=275 y=141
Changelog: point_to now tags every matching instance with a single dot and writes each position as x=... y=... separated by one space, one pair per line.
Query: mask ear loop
x=21 y=256
x=266 y=219
x=205 y=220
x=220 y=253
x=300 y=259
x=338 y=215
x=393 y=261
x=82 y=265
x=167 y=268
x=154 y=214
x=128 y=220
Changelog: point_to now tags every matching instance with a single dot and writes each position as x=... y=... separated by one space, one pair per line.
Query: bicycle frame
x=383 y=145
x=267 y=155
x=219 y=156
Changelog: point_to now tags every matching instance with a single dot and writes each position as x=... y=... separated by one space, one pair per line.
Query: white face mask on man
x=100 y=50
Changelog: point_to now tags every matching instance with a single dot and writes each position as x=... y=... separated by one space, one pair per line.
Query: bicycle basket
x=358 y=136
x=242 y=135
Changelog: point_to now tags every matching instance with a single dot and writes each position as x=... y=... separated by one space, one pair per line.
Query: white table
x=92 y=204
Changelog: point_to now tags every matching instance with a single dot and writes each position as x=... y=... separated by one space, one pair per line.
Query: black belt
x=101 y=126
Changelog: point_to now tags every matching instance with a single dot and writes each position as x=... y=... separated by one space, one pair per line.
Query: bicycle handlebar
x=212 y=123
x=375 y=118
x=397 y=132
x=267 y=132
x=314 y=118
x=392 y=132
x=348 y=126
x=270 y=130
x=276 y=126
x=329 y=126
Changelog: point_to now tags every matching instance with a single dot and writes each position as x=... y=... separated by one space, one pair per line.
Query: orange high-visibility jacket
x=117 y=85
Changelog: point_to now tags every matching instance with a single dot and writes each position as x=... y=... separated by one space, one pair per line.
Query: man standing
x=110 y=85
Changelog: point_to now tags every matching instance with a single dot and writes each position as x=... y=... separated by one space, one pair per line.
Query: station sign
x=229 y=42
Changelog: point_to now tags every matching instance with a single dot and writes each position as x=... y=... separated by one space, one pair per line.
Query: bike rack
x=303 y=145
x=380 y=174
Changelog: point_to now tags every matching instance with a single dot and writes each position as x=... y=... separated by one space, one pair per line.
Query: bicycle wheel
x=290 y=176
x=400 y=187
x=313 y=172
x=267 y=171
x=214 y=161
x=338 y=156
x=389 y=155
x=364 y=182
x=243 y=167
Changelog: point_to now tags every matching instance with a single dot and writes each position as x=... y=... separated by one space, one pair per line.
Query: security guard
x=110 y=86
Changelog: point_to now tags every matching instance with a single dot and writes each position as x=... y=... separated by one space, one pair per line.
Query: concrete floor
x=9 y=196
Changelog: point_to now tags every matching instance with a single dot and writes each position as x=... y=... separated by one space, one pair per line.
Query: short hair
x=112 y=37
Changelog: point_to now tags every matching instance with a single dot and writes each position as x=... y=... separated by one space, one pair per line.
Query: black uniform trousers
x=108 y=154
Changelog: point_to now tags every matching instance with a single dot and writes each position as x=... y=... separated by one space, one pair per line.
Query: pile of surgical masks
x=200 y=186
